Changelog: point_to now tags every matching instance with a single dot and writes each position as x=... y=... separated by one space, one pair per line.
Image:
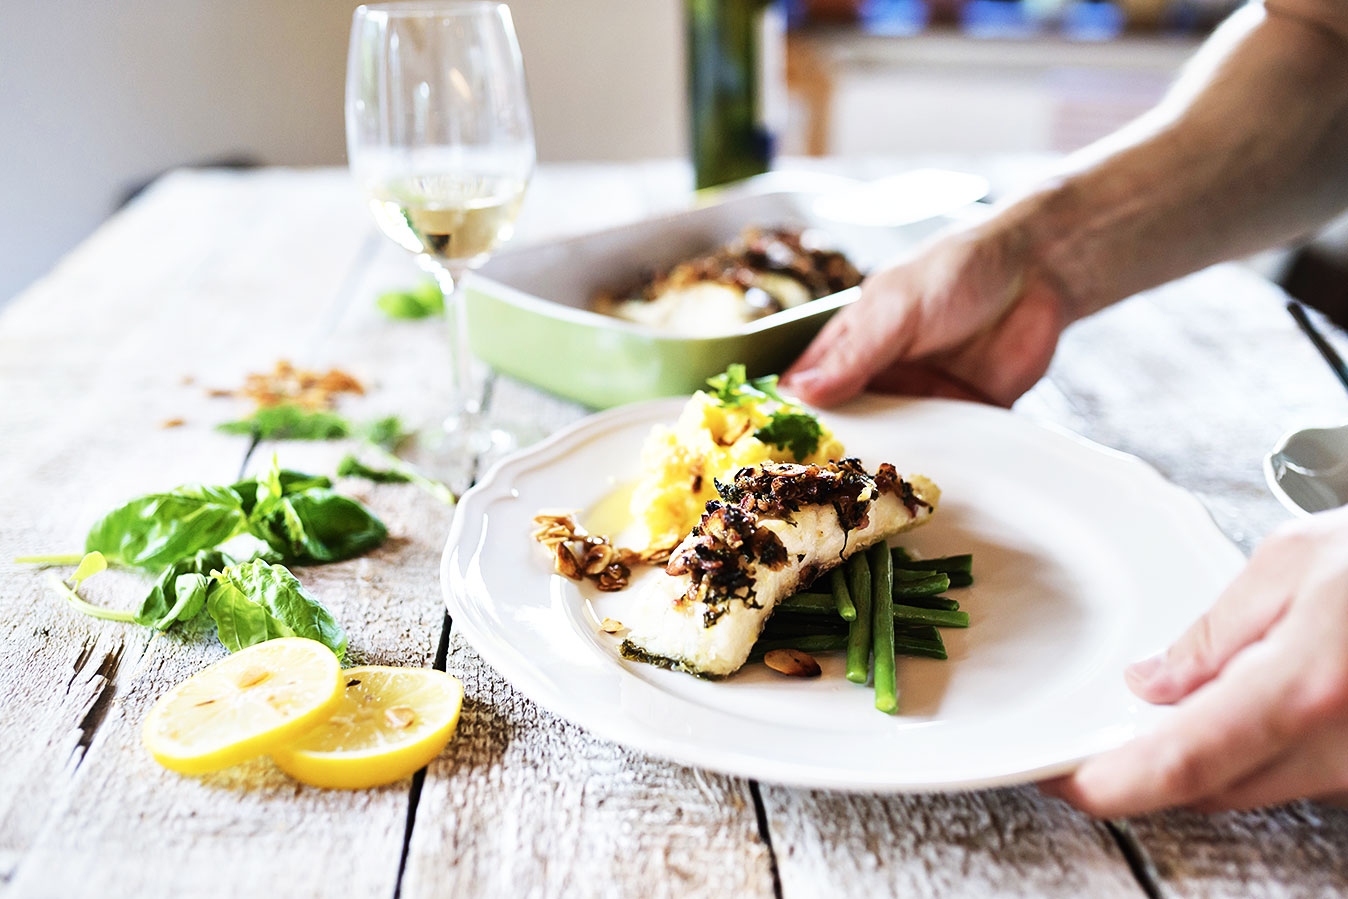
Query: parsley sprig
x=789 y=426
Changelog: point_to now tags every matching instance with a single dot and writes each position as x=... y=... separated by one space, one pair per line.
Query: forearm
x=1248 y=150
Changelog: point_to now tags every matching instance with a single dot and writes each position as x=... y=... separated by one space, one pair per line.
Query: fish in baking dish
x=775 y=528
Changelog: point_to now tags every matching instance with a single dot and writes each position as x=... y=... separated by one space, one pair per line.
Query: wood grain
x=1201 y=378
x=529 y=805
x=211 y=276
x=266 y=270
x=1011 y=842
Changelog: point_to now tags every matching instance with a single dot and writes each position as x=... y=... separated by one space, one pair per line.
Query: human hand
x=970 y=317
x=1261 y=683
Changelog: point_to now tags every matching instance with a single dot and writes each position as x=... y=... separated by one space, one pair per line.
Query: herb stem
x=433 y=487
x=57 y=559
x=88 y=608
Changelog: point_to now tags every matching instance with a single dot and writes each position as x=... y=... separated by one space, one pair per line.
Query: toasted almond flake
x=400 y=716
x=792 y=663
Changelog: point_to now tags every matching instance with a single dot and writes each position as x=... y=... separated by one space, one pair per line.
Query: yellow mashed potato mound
x=709 y=441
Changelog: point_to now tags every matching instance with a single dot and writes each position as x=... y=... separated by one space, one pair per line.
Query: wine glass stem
x=467 y=395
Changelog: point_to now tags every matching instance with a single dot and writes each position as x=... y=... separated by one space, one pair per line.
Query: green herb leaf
x=799 y=432
x=387 y=432
x=351 y=467
x=318 y=525
x=266 y=489
x=253 y=602
x=399 y=472
x=733 y=388
x=191 y=591
x=90 y=565
x=174 y=598
x=158 y=529
x=422 y=301
x=290 y=422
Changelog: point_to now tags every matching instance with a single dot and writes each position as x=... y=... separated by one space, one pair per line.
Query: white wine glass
x=440 y=138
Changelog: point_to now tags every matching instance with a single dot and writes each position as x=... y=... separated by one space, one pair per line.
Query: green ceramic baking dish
x=529 y=316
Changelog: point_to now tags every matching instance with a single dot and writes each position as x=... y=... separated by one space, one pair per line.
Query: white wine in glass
x=440 y=138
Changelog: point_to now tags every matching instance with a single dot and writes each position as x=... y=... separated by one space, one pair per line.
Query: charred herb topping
x=722 y=553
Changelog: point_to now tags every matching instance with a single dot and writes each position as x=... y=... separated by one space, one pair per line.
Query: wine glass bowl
x=440 y=139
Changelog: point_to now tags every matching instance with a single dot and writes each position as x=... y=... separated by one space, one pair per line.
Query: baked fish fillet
x=776 y=527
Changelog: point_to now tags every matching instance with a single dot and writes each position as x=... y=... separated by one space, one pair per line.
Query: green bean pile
x=880 y=603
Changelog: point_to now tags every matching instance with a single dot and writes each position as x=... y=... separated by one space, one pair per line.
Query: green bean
x=943 y=603
x=930 y=649
x=882 y=628
x=919 y=583
x=963 y=562
x=859 y=635
x=809 y=602
x=959 y=568
x=805 y=643
x=937 y=617
x=842 y=598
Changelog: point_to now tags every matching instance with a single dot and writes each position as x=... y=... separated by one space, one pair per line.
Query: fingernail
x=802 y=381
x=1146 y=669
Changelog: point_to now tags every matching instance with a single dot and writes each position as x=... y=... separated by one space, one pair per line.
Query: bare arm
x=1249 y=149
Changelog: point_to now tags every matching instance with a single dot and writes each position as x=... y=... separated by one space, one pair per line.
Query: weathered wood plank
x=528 y=805
x=274 y=277
x=250 y=269
x=1291 y=852
x=1200 y=379
x=1011 y=842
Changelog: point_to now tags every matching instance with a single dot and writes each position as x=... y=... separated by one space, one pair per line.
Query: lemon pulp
x=389 y=723
x=243 y=705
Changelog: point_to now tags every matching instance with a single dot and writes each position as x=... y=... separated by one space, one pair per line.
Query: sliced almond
x=400 y=716
x=610 y=626
x=792 y=663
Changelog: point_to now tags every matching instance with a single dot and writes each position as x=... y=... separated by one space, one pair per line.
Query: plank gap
x=765 y=833
x=1136 y=857
x=419 y=779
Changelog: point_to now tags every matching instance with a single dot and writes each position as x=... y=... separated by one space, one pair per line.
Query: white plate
x=1084 y=559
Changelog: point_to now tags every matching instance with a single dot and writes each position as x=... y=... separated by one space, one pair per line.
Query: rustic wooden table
x=213 y=275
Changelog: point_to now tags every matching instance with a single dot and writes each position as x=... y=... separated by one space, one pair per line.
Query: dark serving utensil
x=1326 y=349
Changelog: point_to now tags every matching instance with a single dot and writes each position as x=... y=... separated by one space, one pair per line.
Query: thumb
x=1244 y=612
x=856 y=344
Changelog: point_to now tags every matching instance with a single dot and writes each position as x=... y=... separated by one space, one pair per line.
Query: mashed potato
x=711 y=440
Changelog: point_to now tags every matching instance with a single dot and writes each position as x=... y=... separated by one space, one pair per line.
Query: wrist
x=1037 y=232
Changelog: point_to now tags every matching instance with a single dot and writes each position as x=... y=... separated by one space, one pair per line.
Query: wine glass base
x=466 y=440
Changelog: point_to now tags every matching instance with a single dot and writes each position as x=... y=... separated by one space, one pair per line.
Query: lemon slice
x=390 y=722
x=243 y=705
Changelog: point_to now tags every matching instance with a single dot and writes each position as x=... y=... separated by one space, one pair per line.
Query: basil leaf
x=387 y=432
x=351 y=467
x=263 y=491
x=253 y=602
x=800 y=432
x=166 y=604
x=190 y=590
x=733 y=387
x=290 y=422
x=160 y=528
x=422 y=301
x=318 y=525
